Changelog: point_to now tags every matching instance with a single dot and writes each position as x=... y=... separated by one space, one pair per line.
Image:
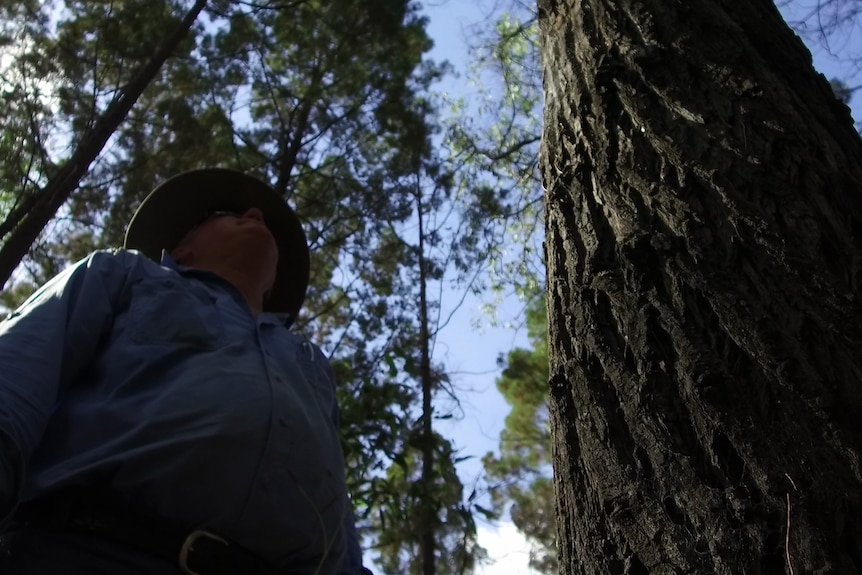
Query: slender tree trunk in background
x=49 y=199
x=428 y=521
x=703 y=249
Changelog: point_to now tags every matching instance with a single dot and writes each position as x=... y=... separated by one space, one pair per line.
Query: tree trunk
x=429 y=508
x=49 y=199
x=703 y=246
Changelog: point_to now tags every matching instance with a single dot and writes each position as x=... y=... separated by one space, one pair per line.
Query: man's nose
x=254 y=213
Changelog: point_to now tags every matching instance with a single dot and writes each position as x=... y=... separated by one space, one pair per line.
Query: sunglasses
x=206 y=218
x=218 y=214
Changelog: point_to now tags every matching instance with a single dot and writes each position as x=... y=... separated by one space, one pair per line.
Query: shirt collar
x=168 y=262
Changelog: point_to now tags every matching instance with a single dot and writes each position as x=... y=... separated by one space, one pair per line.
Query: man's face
x=240 y=240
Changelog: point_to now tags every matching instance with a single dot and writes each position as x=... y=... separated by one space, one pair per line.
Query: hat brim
x=171 y=210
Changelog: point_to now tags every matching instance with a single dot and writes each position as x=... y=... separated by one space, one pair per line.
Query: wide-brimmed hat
x=174 y=208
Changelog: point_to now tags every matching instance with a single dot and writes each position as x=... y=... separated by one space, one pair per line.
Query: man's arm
x=44 y=346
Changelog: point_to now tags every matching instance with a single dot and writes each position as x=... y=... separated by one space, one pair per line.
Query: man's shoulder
x=132 y=263
x=119 y=255
x=106 y=271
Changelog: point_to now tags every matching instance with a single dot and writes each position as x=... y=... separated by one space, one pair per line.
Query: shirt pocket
x=174 y=311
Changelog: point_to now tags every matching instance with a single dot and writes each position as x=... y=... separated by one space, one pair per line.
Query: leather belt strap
x=194 y=553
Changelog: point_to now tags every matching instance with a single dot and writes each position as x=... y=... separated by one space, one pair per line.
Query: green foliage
x=409 y=499
x=10 y=299
x=403 y=498
x=27 y=118
x=523 y=467
x=495 y=138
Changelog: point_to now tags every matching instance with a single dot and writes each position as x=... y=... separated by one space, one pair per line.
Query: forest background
x=416 y=181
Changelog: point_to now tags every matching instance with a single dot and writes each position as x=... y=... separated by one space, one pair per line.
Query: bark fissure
x=703 y=252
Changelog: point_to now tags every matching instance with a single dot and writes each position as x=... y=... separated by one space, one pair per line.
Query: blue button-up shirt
x=157 y=383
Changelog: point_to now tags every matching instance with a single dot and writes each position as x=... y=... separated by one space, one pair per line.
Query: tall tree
x=703 y=246
x=426 y=526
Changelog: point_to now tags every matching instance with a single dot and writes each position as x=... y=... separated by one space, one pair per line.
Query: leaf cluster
x=495 y=138
x=406 y=496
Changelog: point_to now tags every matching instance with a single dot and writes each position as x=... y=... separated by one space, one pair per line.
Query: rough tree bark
x=703 y=248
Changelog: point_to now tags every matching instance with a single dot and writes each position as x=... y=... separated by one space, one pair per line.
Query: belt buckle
x=188 y=547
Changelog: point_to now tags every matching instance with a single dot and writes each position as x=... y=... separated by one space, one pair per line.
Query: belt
x=196 y=552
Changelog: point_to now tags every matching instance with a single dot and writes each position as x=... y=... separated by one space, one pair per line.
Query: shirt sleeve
x=44 y=346
x=353 y=557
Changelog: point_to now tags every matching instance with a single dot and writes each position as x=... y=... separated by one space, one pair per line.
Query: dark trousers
x=37 y=552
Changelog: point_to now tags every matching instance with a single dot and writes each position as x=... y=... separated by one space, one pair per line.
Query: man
x=159 y=418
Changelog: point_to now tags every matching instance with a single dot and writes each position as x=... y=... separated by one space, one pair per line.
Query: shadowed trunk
x=428 y=508
x=703 y=250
